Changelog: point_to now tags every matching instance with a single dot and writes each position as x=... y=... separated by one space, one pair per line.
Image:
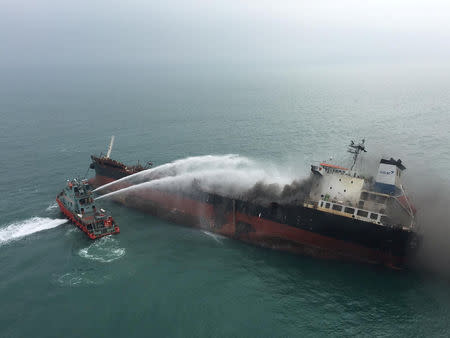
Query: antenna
x=356 y=149
x=110 y=147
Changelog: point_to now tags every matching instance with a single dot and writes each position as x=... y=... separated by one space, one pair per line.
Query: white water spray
x=229 y=175
x=182 y=166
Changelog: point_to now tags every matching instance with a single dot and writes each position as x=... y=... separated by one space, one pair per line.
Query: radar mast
x=356 y=149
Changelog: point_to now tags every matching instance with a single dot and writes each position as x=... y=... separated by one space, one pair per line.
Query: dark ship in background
x=336 y=213
x=108 y=170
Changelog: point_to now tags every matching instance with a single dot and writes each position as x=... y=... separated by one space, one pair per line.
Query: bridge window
x=362 y=213
x=373 y=215
x=361 y=204
x=337 y=207
x=364 y=196
x=349 y=210
x=327 y=205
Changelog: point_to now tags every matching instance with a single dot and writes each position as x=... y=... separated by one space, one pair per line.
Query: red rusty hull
x=72 y=218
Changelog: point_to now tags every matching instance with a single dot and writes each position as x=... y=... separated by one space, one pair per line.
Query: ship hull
x=100 y=180
x=291 y=228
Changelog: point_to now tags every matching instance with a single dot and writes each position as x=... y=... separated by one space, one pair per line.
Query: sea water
x=159 y=279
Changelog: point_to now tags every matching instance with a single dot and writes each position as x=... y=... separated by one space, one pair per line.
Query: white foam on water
x=216 y=237
x=52 y=206
x=104 y=250
x=27 y=227
x=73 y=279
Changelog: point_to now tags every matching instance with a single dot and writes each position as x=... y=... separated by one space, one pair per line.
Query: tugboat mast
x=356 y=149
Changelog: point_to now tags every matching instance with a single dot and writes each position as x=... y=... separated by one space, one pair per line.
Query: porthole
x=345 y=190
x=331 y=187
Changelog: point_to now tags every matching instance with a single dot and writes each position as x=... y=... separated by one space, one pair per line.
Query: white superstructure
x=343 y=191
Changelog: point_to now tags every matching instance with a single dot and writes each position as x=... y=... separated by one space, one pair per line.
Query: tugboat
x=77 y=204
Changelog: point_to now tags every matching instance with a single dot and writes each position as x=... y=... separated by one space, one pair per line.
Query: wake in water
x=27 y=227
x=104 y=250
x=229 y=175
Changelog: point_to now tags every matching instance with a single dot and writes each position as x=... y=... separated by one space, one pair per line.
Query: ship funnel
x=388 y=176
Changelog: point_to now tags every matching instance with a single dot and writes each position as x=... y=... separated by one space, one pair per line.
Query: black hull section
x=395 y=241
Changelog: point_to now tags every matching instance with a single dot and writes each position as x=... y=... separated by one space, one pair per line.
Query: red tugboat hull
x=71 y=217
x=76 y=202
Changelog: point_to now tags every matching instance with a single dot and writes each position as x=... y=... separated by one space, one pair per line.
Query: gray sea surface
x=163 y=280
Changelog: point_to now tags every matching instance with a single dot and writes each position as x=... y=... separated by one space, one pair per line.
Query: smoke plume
x=262 y=193
x=433 y=220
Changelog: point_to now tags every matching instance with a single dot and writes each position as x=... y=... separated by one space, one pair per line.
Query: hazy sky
x=226 y=32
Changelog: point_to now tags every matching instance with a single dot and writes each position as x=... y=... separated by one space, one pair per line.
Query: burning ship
x=341 y=215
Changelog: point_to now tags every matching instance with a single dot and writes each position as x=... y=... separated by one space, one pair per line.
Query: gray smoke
x=263 y=193
x=433 y=219
x=429 y=193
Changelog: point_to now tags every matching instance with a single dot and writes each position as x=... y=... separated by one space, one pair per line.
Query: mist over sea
x=159 y=279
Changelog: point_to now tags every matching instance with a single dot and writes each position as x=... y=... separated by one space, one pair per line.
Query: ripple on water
x=104 y=250
x=71 y=230
x=80 y=278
